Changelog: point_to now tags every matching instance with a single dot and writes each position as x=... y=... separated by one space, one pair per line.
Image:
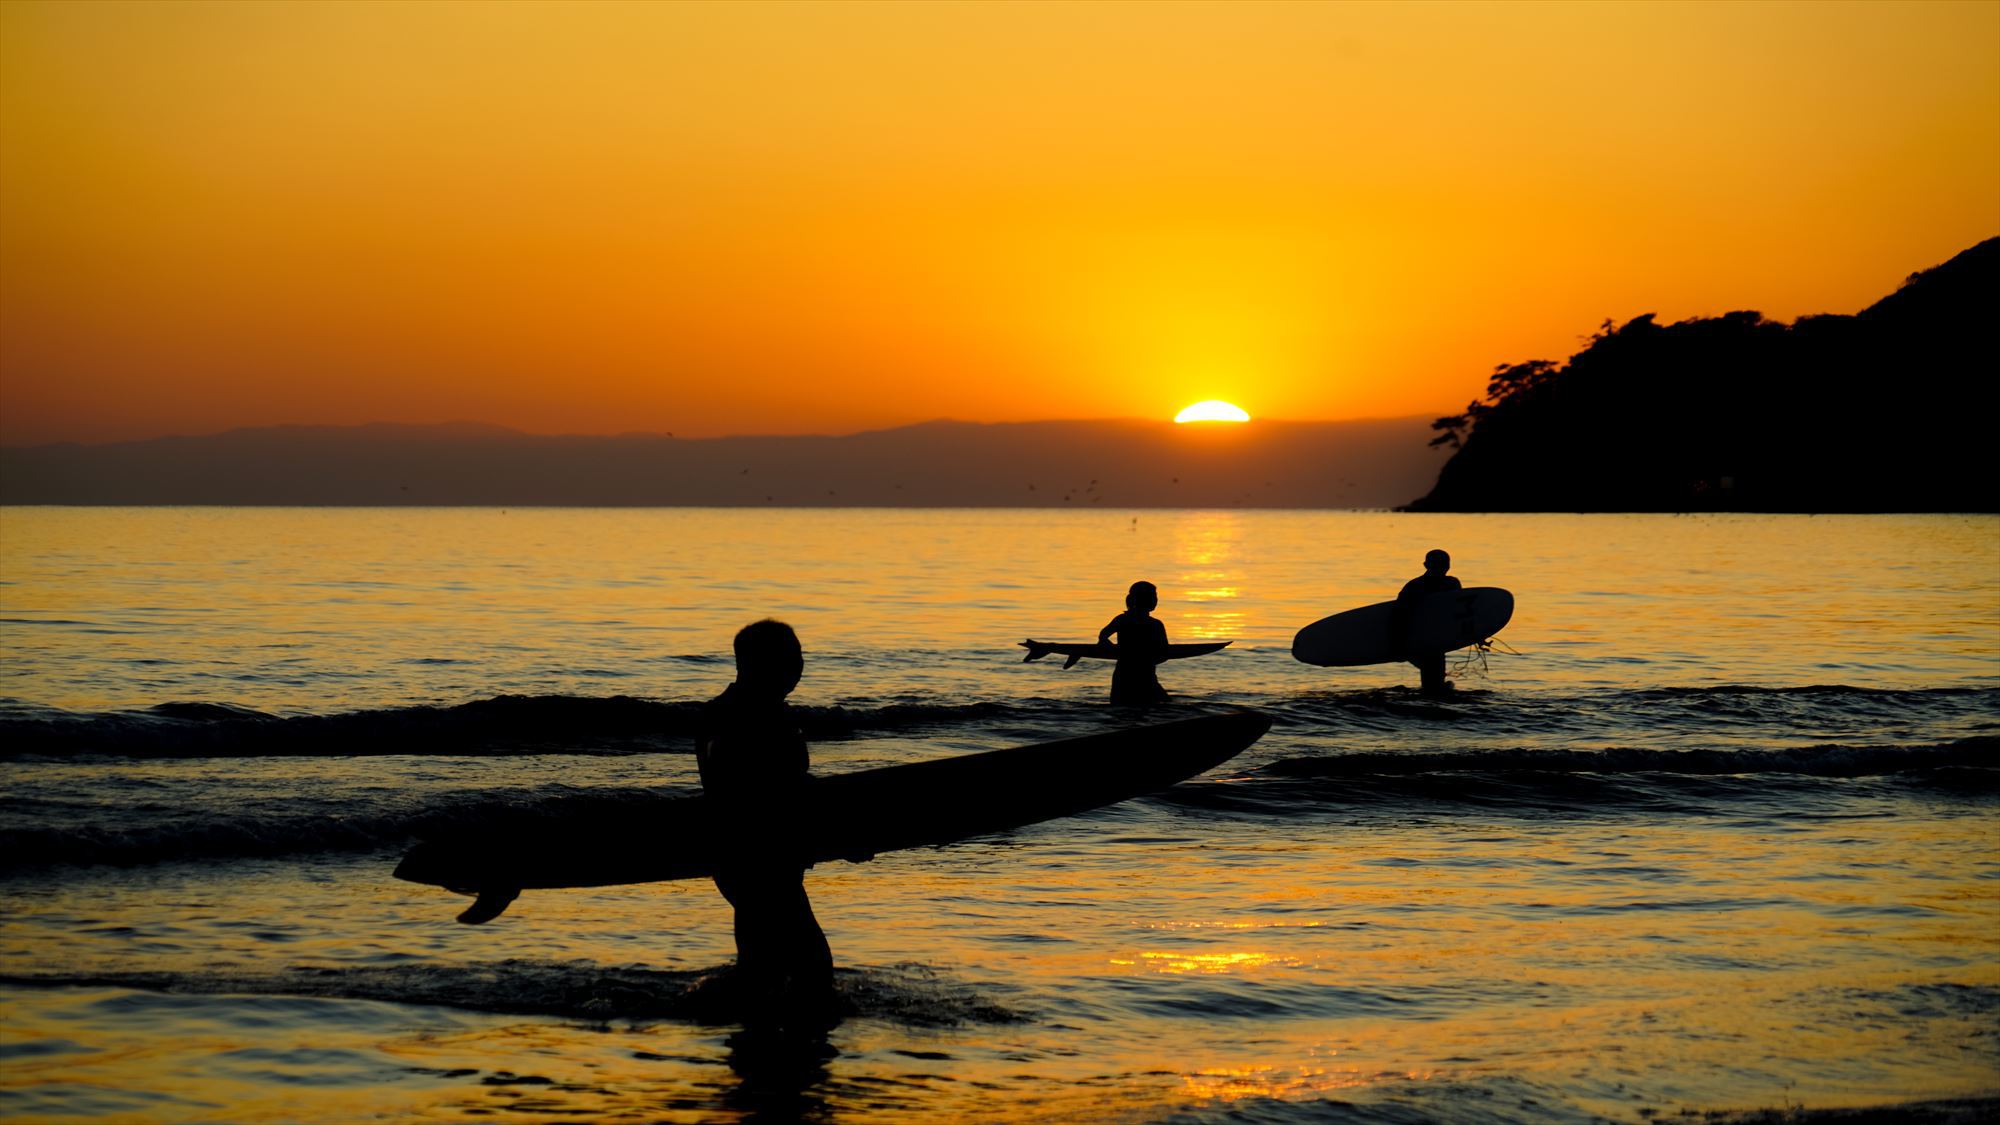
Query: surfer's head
x=1437 y=562
x=768 y=657
x=1143 y=596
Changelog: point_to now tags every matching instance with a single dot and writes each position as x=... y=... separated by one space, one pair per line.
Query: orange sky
x=815 y=217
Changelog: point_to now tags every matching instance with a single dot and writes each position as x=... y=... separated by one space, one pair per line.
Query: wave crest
x=506 y=724
x=1814 y=761
x=909 y=994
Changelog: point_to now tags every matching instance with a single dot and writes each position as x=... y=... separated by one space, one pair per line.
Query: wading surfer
x=1142 y=645
x=754 y=767
x=1434 y=580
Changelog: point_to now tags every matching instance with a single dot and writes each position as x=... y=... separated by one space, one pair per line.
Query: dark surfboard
x=1038 y=649
x=1441 y=622
x=842 y=816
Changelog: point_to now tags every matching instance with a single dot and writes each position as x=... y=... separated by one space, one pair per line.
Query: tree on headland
x=1509 y=383
x=1871 y=412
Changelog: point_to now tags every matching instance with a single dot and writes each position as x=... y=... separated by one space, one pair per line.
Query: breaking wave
x=909 y=994
x=506 y=724
x=1815 y=761
x=617 y=725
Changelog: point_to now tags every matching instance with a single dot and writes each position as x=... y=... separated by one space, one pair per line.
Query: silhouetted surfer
x=1142 y=645
x=754 y=764
x=1434 y=580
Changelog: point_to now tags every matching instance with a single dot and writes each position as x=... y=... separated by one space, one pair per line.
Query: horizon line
x=469 y=424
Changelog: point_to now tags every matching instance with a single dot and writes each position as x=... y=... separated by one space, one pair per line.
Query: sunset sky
x=778 y=218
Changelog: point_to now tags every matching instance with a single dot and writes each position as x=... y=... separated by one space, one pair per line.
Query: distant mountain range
x=1883 y=411
x=1103 y=464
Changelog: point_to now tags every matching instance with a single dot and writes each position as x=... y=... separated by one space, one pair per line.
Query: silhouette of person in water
x=1434 y=580
x=754 y=766
x=1142 y=644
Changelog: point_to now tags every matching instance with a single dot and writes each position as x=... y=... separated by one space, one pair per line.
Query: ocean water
x=1721 y=836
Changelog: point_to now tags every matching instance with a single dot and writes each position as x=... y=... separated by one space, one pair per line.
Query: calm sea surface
x=1722 y=836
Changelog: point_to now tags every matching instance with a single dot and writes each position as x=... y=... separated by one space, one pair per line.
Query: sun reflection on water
x=1210 y=581
x=1183 y=962
x=1261 y=924
x=1237 y=1083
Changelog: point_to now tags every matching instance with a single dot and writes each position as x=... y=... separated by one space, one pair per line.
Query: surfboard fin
x=1071 y=662
x=1035 y=651
x=490 y=904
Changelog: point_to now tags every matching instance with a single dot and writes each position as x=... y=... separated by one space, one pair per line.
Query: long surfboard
x=842 y=816
x=1038 y=649
x=1440 y=623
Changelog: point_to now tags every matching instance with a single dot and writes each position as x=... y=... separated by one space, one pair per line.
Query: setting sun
x=1213 y=410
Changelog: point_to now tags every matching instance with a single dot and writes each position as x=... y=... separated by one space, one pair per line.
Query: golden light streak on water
x=1178 y=962
x=1231 y=1084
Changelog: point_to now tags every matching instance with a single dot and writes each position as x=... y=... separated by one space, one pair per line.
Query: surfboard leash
x=1474 y=660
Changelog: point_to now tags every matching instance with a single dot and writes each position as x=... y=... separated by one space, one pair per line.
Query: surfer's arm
x=1401 y=615
x=752 y=765
x=1104 y=635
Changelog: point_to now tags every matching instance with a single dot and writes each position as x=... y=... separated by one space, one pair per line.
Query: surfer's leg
x=1126 y=685
x=1430 y=666
x=782 y=957
x=756 y=923
x=812 y=957
x=807 y=1000
x=777 y=936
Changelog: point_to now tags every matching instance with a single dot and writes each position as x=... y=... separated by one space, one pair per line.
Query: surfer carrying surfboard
x=1142 y=645
x=1434 y=580
x=755 y=768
